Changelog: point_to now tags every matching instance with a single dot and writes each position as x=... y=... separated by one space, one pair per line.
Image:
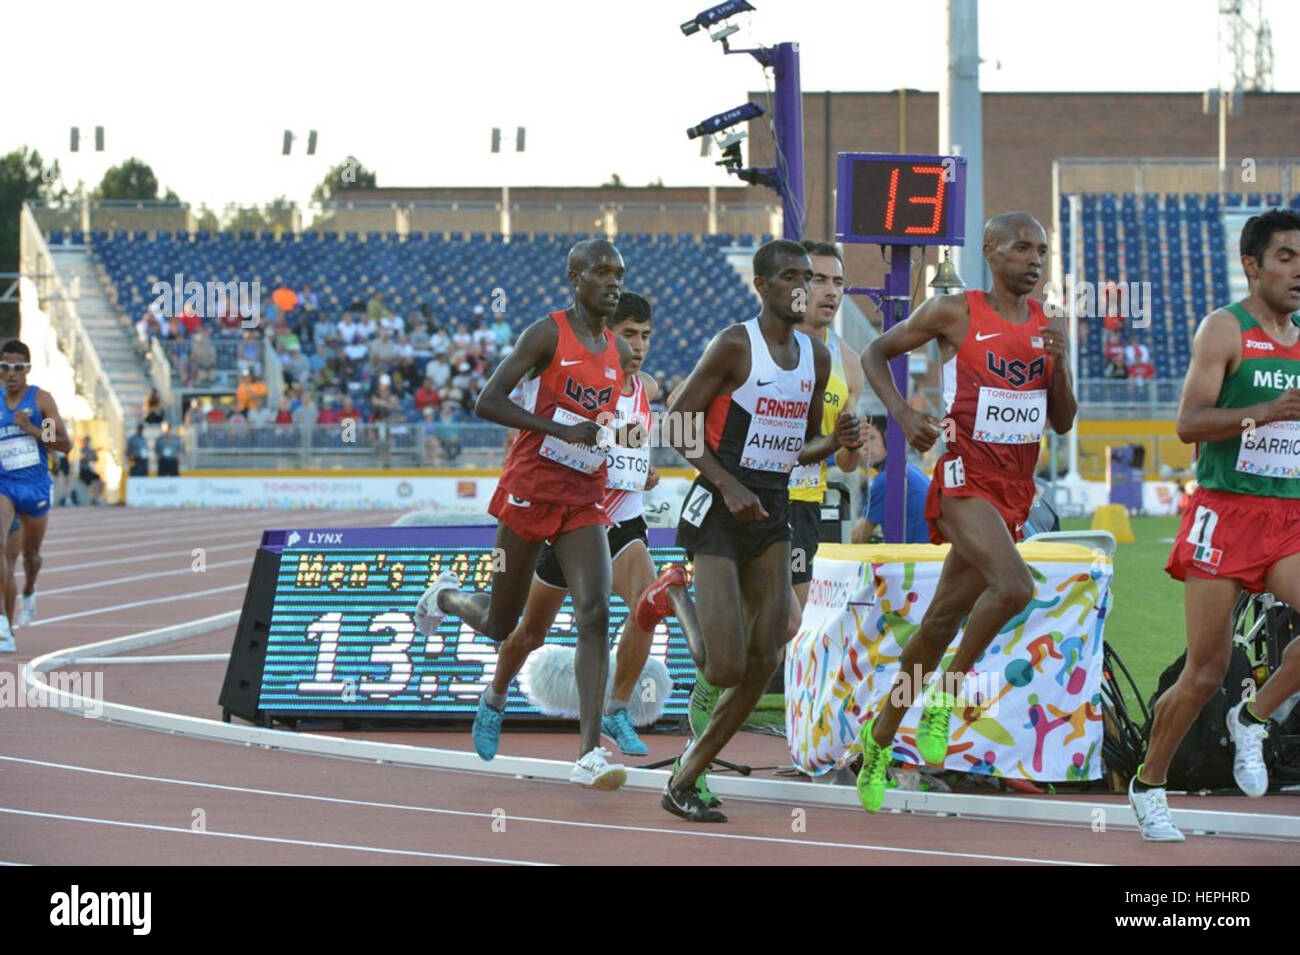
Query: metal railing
x=74 y=341
x=348 y=444
x=1122 y=398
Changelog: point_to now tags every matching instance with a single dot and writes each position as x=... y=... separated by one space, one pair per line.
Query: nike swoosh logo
x=764 y=384
x=980 y=338
x=566 y=364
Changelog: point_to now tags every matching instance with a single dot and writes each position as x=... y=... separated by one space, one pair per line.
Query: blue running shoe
x=618 y=727
x=487 y=729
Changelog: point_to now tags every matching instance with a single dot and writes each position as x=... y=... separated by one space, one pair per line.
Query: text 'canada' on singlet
x=1264 y=459
x=628 y=469
x=578 y=385
x=808 y=481
x=995 y=391
x=758 y=430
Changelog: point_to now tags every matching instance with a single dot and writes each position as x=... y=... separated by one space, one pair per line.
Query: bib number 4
x=697 y=505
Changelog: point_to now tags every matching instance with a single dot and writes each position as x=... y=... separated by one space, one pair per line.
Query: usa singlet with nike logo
x=578 y=385
x=758 y=430
x=995 y=391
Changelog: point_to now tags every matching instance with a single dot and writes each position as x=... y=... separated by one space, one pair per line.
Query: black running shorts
x=621 y=537
x=707 y=527
x=805 y=536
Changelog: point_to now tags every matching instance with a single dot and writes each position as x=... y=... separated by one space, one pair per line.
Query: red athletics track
x=80 y=791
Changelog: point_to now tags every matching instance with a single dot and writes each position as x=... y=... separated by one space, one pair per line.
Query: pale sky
x=203 y=91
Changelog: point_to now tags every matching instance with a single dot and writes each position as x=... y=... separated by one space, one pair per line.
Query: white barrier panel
x=468 y=494
x=1033 y=707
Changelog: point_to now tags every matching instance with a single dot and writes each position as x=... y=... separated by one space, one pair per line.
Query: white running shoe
x=1248 y=767
x=595 y=771
x=7 y=642
x=1152 y=811
x=427 y=614
x=26 y=609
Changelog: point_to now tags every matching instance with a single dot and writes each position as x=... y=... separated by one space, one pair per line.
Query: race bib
x=580 y=458
x=776 y=432
x=806 y=476
x=1271 y=450
x=697 y=505
x=629 y=468
x=19 y=453
x=1005 y=416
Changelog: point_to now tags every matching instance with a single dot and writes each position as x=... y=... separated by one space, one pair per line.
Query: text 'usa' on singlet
x=1264 y=459
x=995 y=391
x=628 y=469
x=808 y=481
x=758 y=430
x=578 y=385
x=22 y=458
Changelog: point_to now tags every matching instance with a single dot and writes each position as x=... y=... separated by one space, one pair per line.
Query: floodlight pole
x=786 y=177
x=894 y=299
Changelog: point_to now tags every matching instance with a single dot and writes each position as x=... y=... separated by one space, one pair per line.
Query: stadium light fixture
x=722 y=11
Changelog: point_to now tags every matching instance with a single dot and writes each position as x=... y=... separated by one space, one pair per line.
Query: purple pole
x=897 y=298
x=789 y=138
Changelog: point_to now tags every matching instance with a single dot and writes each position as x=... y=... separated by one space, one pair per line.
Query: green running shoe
x=704 y=698
x=932 y=733
x=707 y=795
x=871 y=777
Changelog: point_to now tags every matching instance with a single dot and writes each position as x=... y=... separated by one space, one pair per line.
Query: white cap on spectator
x=385 y=379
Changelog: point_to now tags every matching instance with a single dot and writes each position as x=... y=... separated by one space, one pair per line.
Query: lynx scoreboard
x=327 y=630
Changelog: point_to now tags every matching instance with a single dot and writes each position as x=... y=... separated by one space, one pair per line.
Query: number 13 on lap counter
x=886 y=199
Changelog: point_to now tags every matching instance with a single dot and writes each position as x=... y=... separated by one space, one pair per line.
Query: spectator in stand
x=307 y=299
x=249 y=352
x=153 y=408
x=295 y=365
x=350 y=411
x=462 y=341
x=229 y=321
x=439 y=342
x=485 y=340
x=427 y=396
x=349 y=330
x=137 y=453
x=203 y=360
x=375 y=308
x=250 y=387
x=323 y=329
x=438 y=370
x=214 y=414
x=1111 y=346
x=383 y=353
x=259 y=416
x=88 y=472
x=419 y=341
x=394 y=323
x=357 y=351
x=501 y=330
x=329 y=412
x=146 y=329
x=284 y=416
x=1138 y=359
x=367 y=328
x=191 y=321
x=384 y=404
x=405 y=356
x=1115 y=368
x=168 y=449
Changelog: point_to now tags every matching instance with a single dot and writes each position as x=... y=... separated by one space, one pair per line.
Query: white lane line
x=173 y=658
x=541 y=820
x=113 y=581
x=251 y=838
x=154 y=556
x=136 y=603
x=170 y=534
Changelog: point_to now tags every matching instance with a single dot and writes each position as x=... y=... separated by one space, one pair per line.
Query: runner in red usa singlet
x=995 y=392
x=1005 y=378
x=1241 y=530
x=570 y=367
